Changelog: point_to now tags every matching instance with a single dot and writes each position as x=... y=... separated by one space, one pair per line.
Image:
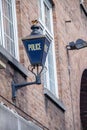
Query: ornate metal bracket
x=37 y=81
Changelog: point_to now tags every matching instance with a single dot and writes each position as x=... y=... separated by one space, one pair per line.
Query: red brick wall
x=69 y=25
x=30 y=99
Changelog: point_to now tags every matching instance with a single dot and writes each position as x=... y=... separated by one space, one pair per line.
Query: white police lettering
x=34 y=47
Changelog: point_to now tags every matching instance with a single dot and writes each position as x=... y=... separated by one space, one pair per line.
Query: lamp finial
x=34 y=22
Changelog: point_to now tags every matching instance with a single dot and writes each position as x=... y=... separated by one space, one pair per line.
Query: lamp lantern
x=36 y=46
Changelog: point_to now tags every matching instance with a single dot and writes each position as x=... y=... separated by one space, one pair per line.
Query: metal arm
x=15 y=87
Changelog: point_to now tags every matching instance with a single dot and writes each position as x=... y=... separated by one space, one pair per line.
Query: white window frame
x=2 y=42
x=50 y=35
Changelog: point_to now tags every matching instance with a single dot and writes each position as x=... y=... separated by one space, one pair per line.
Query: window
x=8 y=27
x=50 y=77
x=10 y=120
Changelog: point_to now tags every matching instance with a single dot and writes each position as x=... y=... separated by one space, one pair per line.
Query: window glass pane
x=7 y=42
x=40 y=9
x=7 y=9
x=47 y=16
x=51 y=70
x=8 y=26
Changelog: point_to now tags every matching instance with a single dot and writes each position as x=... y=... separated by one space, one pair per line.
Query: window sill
x=56 y=101
x=11 y=60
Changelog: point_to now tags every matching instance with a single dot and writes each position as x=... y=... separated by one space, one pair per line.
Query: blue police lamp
x=36 y=46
